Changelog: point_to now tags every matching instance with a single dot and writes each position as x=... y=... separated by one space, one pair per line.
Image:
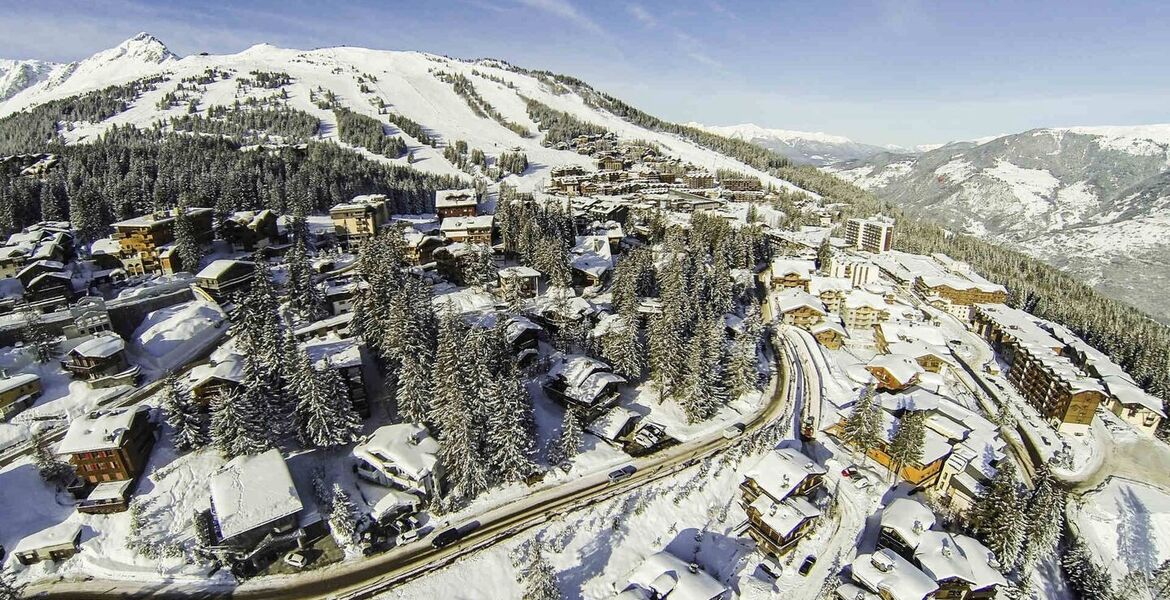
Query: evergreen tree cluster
x=513 y=162
x=1020 y=527
x=264 y=79
x=34 y=129
x=359 y=130
x=129 y=171
x=691 y=356
x=540 y=234
x=559 y=126
x=481 y=107
x=251 y=126
x=410 y=128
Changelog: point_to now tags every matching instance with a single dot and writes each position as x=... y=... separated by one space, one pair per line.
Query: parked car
x=408 y=536
x=861 y=482
x=649 y=436
x=849 y=471
x=296 y=559
x=807 y=565
x=770 y=569
x=622 y=473
x=734 y=431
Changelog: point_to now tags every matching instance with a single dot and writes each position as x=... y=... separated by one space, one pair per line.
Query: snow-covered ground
x=1126 y=523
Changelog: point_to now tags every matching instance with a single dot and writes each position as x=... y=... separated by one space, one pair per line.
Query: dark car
x=849 y=471
x=622 y=473
x=446 y=538
x=807 y=565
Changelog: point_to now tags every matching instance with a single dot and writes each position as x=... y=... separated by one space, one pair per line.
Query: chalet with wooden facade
x=791 y=273
x=101 y=362
x=469 y=230
x=17 y=392
x=224 y=278
x=456 y=203
x=108 y=450
x=142 y=239
x=250 y=230
x=775 y=496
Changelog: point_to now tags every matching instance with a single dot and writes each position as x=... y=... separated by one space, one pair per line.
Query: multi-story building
x=402 y=456
x=346 y=356
x=791 y=273
x=108 y=449
x=250 y=230
x=17 y=392
x=775 y=497
x=961 y=291
x=225 y=277
x=1036 y=366
x=455 y=203
x=100 y=361
x=798 y=308
x=359 y=218
x=831 y=291
x=875 y=234
x=142 y=239
x=469 y=230
x=862 y=310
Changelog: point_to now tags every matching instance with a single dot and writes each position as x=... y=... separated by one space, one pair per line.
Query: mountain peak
x=144 y=47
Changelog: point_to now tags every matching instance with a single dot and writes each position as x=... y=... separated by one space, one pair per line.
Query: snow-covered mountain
x=35 y=81
x=802 y=147
x=16 y=75
x=414 y=85
x=1092 y=200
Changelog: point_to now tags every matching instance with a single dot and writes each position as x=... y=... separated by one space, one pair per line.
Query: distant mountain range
x=1091 y=200
x=803 y=147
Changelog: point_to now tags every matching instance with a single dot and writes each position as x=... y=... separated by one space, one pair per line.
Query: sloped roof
x=780 y=471
x=251 y=491
x=407 y=446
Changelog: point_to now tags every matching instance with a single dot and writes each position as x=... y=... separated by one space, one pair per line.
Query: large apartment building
x=144 y=239
x=1038 y=367
x=360 y=218
x=875 y=234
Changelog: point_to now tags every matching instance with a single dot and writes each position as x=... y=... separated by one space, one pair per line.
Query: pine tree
x=325 y=416
x=540 y=578
x=1090 y=581
x=189 y=431
x=305 y=298
x=1044 y=519
x=743 y=364
x=510 y=428
x=51 y=469
x=187 y=246
x=666 y=346
x=342 y=522
x=824 y=255
x=453 y=414
x=566 y=446
x=998 y=515
x=621 y=346
x=35 y=336
x=863 y=425
x=906 y=447
x=227 y=431
x=478 y=267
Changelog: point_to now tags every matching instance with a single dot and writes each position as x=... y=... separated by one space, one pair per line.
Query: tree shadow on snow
x=1135 y=545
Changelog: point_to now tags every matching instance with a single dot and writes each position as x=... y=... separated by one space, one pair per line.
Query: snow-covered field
x=1127 y=525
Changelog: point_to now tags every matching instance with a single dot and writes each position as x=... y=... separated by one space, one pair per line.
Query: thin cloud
x=699 y=57
x=641 y=14
x=567 y=11
x=723 y=10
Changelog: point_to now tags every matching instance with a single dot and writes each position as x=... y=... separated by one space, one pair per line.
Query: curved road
x=368 y=577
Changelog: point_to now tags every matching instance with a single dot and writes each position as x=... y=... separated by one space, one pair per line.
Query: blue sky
x=879 y=71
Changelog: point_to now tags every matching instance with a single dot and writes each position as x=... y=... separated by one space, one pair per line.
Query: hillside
x=483 y=103
x=1091 y=200
x=802 y=147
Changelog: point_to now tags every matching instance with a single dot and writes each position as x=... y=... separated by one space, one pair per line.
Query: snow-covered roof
x=1129 y=394
x=230 y=368
x=517 y=325
x=899 y=366
x=671 y=577
x=102 y=346
x=453 y=224
x=611 y=422
x=58 y=535
x=785 y=516
x=787 y=266
x=452 y=198
x=819 y=285
x=98 y=430
x=219 y=267
x=984 y=567
x=781 y=470
x=251 y=491
x=334 y=351
x=892 y=576
x=945 y=556
x=863 y=299
x=909 y=519
x=159 y=218
x=593 y=386
x=828 y=325
x=1038 y=338
x=574 y=369
x=793 y=298
x=960 y=283
x=917 y=349
x=518 y=271
x=17 y=380
x=407 y=446
x=592 y=255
